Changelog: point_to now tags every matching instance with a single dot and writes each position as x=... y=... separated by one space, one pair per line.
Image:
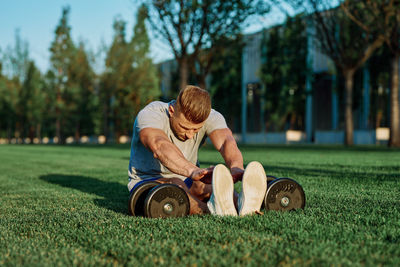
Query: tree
x=114 y=85
x=130 y=80
x=192 y=26
x=393 y=41
x=7 y=105
x=225 y=85
x=347 y=43
x=16 y=66
x=49 y=104
x=385 y=17
x=379 y=72
x=283 y=73
x=81 y=78
x=17 y=58
x=145 y=81
x=30 y=103
x=62 y=51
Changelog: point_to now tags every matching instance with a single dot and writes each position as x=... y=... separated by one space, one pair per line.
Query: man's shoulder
x=156 y=105
x=215 y=121
x=155 y=108
x=154 y=115
x=215 y=115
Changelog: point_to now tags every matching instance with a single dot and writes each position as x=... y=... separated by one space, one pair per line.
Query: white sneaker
x=254 y=187
x=221 y=200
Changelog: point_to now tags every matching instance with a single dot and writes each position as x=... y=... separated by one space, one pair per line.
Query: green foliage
x=49 y=104
x=145 y=79
x=21 y=93
x=71 y=209
x=350 y=41
x=8 y=105
x=82 y=79
x=114 y=72
x=74 y=83
x=71 y=100
x=380 y=82
x=226 y=82
x=62 y=50
x=16 y=59
x=130 y=80
x=283 y=74
x=30 y=107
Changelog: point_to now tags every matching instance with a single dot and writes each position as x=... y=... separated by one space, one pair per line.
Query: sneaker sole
x=222 y=184
x=254 y=186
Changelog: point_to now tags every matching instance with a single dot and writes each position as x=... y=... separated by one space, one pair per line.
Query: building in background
x=321 y=119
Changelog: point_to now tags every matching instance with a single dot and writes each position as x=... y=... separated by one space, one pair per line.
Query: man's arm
x=168 y=154
x=225 y=143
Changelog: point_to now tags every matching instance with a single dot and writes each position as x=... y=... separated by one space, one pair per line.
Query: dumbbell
x=283 y=194
x=154 y=200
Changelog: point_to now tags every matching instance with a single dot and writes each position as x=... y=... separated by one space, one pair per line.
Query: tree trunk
x=349 y=125
x=39 y=131
x=9 y=130
x=77 y=132
x=58 y=117
x=58 y=129
x=105 y=118
x=31 y=132
x=394 y=140
x=183 y=72
x=202 y=82
x=117 y=130
x=293 y=119
x=17 y=132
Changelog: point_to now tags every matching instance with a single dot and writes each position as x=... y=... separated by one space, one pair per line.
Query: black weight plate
x=166 y=200
x=284 y=194
x=138 y=196
x=270 y=178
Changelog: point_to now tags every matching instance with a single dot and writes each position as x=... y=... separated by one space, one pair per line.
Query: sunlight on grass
x=68 y=206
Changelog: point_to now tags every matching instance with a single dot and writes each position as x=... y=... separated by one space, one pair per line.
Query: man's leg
x=197 y=206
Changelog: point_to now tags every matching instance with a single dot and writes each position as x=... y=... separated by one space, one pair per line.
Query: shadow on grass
x=114 y=196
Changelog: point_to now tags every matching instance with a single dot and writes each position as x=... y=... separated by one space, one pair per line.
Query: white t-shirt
x=142 y=164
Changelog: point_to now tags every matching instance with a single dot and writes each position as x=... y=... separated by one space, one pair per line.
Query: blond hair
x=194 y=103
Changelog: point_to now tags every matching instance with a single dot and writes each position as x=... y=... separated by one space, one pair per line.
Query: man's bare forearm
x=172 y=158
x=166 y=152
x=231 y=154
x=233 y=158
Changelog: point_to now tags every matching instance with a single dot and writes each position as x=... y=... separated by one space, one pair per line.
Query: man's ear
x=171 y=110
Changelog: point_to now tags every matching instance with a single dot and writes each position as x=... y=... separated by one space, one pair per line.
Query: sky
x=90 y=20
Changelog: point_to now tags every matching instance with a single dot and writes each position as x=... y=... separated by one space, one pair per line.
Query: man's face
x=182 y=128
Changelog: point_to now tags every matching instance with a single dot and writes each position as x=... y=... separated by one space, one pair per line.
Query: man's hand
x=207 y=178
x=202 y=174
x=237 y=174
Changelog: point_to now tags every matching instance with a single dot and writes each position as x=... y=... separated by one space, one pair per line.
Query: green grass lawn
x=68 y=206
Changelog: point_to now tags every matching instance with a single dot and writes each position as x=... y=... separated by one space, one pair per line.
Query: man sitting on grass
x=165 y=143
